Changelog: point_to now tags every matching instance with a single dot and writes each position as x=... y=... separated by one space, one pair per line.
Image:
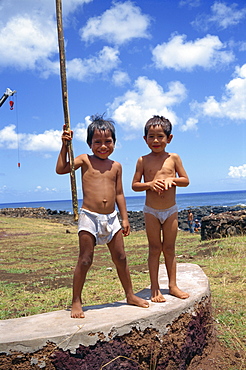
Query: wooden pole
x=65 y=103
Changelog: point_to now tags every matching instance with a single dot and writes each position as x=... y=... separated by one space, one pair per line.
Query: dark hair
x=159 y=121
x=98 y=123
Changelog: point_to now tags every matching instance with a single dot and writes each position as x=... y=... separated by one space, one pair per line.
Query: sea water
x=136 y=203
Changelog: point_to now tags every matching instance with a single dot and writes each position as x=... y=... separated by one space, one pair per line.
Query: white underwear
x=161 y=214
x=103 y=227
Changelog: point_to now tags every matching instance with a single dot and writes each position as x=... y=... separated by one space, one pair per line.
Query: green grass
x=38 y=258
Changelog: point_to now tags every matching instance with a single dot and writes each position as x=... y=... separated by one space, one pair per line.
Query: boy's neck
x=100 y=159
x=162 y=153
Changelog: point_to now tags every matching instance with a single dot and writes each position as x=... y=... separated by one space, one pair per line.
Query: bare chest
x=99 y=175
x=155 y=169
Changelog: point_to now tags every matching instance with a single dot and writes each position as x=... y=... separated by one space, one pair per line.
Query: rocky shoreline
x=136 y=218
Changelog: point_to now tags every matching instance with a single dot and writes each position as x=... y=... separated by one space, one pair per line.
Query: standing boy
x=98 y=222
x=159 y=169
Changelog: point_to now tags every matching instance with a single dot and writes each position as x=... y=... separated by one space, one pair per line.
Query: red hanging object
x=11 y=103
x=19 y=164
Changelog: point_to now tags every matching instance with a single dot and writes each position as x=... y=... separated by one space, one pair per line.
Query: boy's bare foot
x=157 y=297
x=77 y=312
x=136 y=301
x=178 y=293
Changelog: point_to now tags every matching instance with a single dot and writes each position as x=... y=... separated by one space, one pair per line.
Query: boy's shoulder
x=91 y=158
x=152 y=155
x=148 y=158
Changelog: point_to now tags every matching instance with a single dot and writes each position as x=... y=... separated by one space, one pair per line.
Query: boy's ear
x=145 y=138
x=169 y=138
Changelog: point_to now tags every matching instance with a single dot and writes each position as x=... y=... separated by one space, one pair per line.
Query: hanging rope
x=12 y=105
x=17 y=131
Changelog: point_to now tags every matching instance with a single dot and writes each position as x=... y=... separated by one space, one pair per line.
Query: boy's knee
x=120 y=258
x=155 y=248
x=85 y=261
x=169 y=248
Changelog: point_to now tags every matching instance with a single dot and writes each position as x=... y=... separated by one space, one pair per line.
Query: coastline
x=136 y=218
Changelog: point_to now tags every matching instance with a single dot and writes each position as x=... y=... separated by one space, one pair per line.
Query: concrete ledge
x=105 y=322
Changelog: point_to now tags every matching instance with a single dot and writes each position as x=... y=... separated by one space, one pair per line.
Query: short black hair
x=101 y=124
x=158 y=121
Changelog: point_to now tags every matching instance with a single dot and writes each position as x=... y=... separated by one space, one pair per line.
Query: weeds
x=38 y=258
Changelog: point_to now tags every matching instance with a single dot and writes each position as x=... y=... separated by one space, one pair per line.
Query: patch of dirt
x=215 y=357
x=189 y=344
x=218 y=357
x=34 y=280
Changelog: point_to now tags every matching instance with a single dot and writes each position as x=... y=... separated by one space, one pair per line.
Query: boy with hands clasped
x=159 y=169
x=98 y=222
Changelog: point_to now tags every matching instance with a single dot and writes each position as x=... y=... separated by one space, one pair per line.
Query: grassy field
x=38 y=257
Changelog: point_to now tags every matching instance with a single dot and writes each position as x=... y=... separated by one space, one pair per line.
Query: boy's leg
x=170 y=228
x=153 y=230
x=86 y=251
x=116 y=248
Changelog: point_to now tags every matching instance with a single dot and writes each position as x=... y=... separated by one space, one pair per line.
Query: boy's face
x=156 y=139
x=102 y=144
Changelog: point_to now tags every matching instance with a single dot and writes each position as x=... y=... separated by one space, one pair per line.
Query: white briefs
x=161 y=214
x=102 y=226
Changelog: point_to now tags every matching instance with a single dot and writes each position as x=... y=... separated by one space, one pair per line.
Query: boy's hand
x=159 y=186
x=66 y=135
x=126 y=228
x=168 y=183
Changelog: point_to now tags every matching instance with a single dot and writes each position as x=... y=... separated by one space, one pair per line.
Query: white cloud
x=190 y=124
x=28 y=36
x=42 y=9
x=191 y=3
x=239 y=171
x=80 y=69
x=146 y=99
x=50 y=140
x=80 y=131
x=8 y=137
x=232 y=103
x=121 y=23
x=23 y=42
x=222 y=15
x=120 y=78
x=40 y=189
x=3 y=189
x=242 y=46
x=180 y=54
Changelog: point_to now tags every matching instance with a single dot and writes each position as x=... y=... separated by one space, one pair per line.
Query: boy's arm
x=121 y=202
x=137 y=185
x=182 y=180
x=63 y=163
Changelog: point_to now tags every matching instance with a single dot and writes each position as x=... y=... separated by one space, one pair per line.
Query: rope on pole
x=65 y=103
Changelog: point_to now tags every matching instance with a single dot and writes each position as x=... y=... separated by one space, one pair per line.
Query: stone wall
x=224 y=224
x=136 y=218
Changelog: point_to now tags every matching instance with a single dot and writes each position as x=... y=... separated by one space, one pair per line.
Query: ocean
x=136 y=203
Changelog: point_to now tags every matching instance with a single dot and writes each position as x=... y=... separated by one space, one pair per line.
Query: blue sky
x=183 y=59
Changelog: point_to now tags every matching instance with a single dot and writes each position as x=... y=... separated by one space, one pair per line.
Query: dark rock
x=224 y=224
x=136 y=218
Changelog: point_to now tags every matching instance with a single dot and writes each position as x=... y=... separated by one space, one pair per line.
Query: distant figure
x=98 y=222
x=159 y=169
x=197 y=226
x=190 y=221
